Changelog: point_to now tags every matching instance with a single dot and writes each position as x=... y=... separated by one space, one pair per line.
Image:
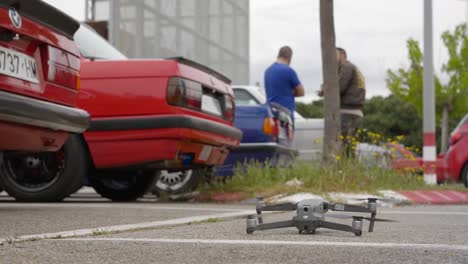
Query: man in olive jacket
x=352 y=95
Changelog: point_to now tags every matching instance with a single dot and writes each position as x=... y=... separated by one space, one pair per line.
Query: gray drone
x=311 y=215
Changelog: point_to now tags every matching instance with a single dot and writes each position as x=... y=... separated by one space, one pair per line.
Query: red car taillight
x=184 y=93
x=229 y=108
x=61 y=68
x=271 y=127
x=457 y=137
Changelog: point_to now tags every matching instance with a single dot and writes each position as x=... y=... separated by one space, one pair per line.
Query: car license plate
x=211 y=105
x=282 y=132
x=18 y=65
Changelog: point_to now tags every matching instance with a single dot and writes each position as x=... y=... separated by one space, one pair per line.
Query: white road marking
x=277 y=242
x=128 y=227
x=442 y=213
x=214 y=209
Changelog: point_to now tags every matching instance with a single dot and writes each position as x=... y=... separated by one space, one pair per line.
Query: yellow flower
x=318 y=141
x=338 y=158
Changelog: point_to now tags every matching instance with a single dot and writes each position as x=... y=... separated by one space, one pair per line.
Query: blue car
x=267 y=138
x=267 y=132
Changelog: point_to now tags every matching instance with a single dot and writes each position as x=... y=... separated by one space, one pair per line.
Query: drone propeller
x=360 y=218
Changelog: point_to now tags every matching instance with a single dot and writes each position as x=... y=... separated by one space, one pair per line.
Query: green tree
x=312 y=110
x=392 y=117
x=451 y=98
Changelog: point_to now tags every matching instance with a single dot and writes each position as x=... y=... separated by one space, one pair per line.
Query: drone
x=311 y=215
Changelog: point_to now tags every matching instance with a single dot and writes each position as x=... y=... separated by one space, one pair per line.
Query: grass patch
x=343 y=176
x=100 y=232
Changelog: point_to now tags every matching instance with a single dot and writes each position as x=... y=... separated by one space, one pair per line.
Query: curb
x=436 y=197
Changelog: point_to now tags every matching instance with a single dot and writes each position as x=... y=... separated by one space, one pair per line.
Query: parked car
x=267 y=132
x=455 y=161
x=146 y=116
x=308 y=137
x=39 y=83
x=308 y=132
x=389 y=155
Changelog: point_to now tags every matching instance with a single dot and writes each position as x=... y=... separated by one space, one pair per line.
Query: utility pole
x=429 y=149
x=331 y=143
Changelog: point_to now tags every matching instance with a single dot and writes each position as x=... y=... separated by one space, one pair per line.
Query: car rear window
x=93 y=46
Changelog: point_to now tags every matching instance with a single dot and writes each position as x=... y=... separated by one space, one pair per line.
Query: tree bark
x=331 y=143
x=445 y=128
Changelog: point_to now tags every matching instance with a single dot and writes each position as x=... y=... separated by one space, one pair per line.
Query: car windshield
x=462 y=122
x=93 y=46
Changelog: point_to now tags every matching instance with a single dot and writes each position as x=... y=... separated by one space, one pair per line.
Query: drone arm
x=282 y=224
x=279 y=207
x=348 y=208
x=336 y=226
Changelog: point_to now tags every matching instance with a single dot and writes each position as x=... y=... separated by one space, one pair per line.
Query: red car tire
x=122 y=185
x=464 y=175
x=45 y=177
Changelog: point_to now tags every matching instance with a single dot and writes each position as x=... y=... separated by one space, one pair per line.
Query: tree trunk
x=445 y=129
x=331 y=143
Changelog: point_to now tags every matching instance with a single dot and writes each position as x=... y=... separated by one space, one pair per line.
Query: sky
x=373 y=32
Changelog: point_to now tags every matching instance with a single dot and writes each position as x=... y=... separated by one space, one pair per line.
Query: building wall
x=212 y=32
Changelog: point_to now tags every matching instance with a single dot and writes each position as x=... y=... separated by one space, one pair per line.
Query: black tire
x=177 y=182
x=464 y=175
x=45 y=177
x=122 y=186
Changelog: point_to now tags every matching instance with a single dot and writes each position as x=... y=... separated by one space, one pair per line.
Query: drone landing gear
x=311 y=232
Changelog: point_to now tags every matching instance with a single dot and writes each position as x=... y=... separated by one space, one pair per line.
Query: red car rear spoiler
x=44 y=14
x=201 y=67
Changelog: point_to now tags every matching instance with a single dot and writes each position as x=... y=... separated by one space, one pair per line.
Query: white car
x=308 y=132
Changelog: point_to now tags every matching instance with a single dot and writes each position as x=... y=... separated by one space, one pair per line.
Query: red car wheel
x=45 y=177
x=122 y=185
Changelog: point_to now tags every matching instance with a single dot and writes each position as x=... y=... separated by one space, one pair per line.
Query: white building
x=211 y=32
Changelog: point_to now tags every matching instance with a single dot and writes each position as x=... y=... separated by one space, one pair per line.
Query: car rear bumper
x=159 y=142
x=165 y=122
x=32 y=112
x=155 y=154
x=266 y=148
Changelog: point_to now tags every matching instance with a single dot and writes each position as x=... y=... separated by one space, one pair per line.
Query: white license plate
x=18 y=65
x=211 y=105
x=283 y=133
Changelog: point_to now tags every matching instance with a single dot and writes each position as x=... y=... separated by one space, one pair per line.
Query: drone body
x=311 y=215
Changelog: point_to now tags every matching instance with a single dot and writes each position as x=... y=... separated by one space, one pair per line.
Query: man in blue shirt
x=282 y=83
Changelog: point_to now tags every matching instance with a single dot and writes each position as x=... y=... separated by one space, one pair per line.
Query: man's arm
x=299 y=91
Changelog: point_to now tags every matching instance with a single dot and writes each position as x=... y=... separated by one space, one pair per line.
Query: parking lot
x=88 y=229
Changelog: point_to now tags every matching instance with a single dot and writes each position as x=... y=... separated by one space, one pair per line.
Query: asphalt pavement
x=149 y=231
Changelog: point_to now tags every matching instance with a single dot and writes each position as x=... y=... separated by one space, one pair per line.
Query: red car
x=455 y=161
x=39 y=82
x=146 y=115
